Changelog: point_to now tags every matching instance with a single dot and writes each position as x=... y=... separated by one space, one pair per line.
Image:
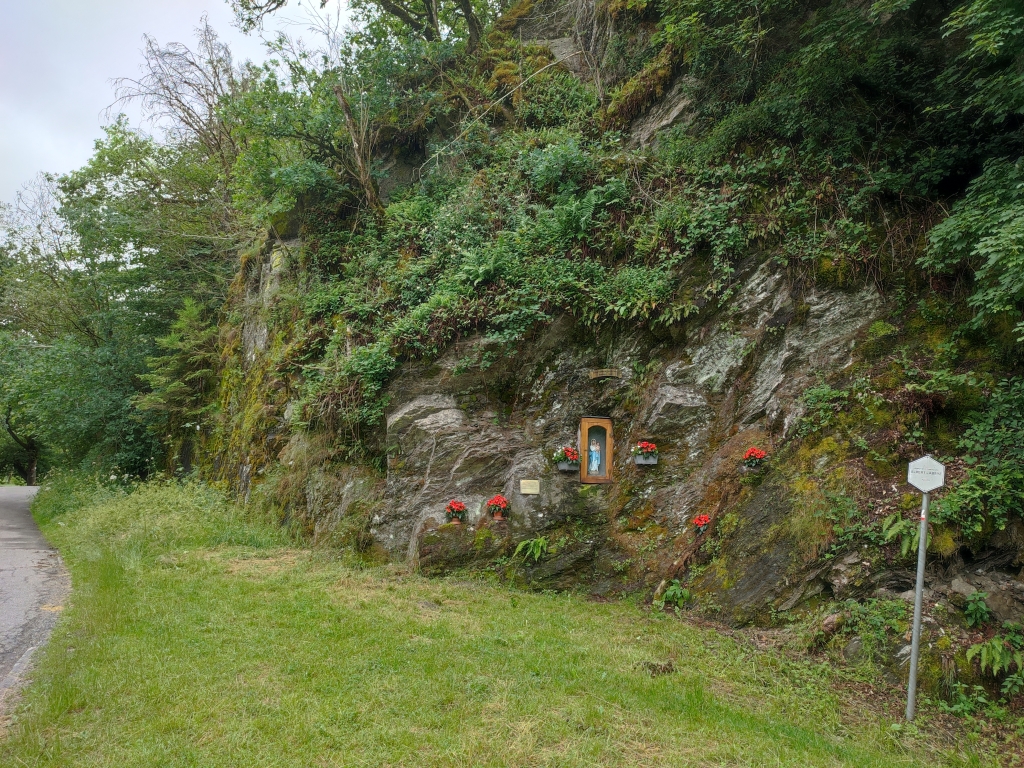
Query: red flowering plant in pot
x=497 y=505
x=645 y=452
x=754 y=457
x=701 y=521
x=455 y=512
x=567 y=458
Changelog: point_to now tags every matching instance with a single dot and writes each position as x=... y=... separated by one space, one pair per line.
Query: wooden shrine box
x=596 y=450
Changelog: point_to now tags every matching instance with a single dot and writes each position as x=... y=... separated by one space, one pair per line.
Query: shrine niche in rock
x=596 y=446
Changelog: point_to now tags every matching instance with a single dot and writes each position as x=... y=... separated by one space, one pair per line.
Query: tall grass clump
x=144 y=518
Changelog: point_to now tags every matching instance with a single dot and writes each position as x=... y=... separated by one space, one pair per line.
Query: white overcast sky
x=57 y=58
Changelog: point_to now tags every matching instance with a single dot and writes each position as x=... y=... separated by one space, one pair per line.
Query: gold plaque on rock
x=605 y=373
x=529 y=487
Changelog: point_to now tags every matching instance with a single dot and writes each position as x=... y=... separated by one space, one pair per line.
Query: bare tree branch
x=363 y=139
x=185 y=89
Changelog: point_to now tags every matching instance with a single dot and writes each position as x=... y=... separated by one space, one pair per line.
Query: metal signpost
x=927 y=475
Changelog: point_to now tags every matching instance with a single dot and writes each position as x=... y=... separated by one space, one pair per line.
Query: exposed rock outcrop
x=479 y=419
x=459 y=430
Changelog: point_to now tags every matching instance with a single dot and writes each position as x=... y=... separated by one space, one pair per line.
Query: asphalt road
x=33 y=587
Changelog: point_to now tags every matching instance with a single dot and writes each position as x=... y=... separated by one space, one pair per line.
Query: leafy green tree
x=20 y=442
x=990 y=70
x=180 y=380
x=96 y=265
x=75 y=401
x=16 y=460
x=984 y=232
x=993 y=447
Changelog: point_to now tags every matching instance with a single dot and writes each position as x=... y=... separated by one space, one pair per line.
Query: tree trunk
x=423 y=23
x=472 y=24
x=361 y=151
x=433 y=17
x=31 y=448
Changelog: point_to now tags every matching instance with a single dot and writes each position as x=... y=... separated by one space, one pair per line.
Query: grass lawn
x=195 y=638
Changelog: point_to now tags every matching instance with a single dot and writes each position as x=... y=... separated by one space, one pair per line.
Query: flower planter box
x=455 y=512
x=639 y=459
x=497 y=506
x=567 y=458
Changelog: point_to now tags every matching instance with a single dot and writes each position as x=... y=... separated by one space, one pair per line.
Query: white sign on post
x=926 y=474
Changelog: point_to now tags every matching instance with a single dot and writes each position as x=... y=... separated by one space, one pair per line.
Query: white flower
x=113 y=477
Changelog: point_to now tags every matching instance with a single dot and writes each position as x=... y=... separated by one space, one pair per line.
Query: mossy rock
x=446 y=548
x=759 y=563
x=570 y=567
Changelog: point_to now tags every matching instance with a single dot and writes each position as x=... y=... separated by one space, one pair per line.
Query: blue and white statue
x=594 y=466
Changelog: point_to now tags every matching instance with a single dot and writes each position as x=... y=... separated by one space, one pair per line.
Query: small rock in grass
x=854 y=650
x=832 y=623
x=962 y=587
x=657 y=669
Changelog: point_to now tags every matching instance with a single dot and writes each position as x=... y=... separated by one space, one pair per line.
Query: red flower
x=567 y=453
x=701 y=520
x=498 y=502
x=645 y=447
x=455 y=509
x=753 y=457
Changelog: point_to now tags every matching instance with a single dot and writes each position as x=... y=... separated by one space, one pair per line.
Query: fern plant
x=1002 y=653
x=895 y=526
x=533 y=549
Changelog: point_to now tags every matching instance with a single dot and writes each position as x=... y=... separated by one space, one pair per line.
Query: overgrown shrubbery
x=149 y=516
x=507 y=229
x=993 y=447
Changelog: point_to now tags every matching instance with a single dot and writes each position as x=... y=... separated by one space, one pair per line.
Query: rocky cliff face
x=481 y=418
x=457 y=429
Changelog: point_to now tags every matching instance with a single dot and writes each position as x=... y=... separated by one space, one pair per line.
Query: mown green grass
x=196 y=638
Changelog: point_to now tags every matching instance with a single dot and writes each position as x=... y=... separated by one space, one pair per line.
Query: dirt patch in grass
x=261 y=564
